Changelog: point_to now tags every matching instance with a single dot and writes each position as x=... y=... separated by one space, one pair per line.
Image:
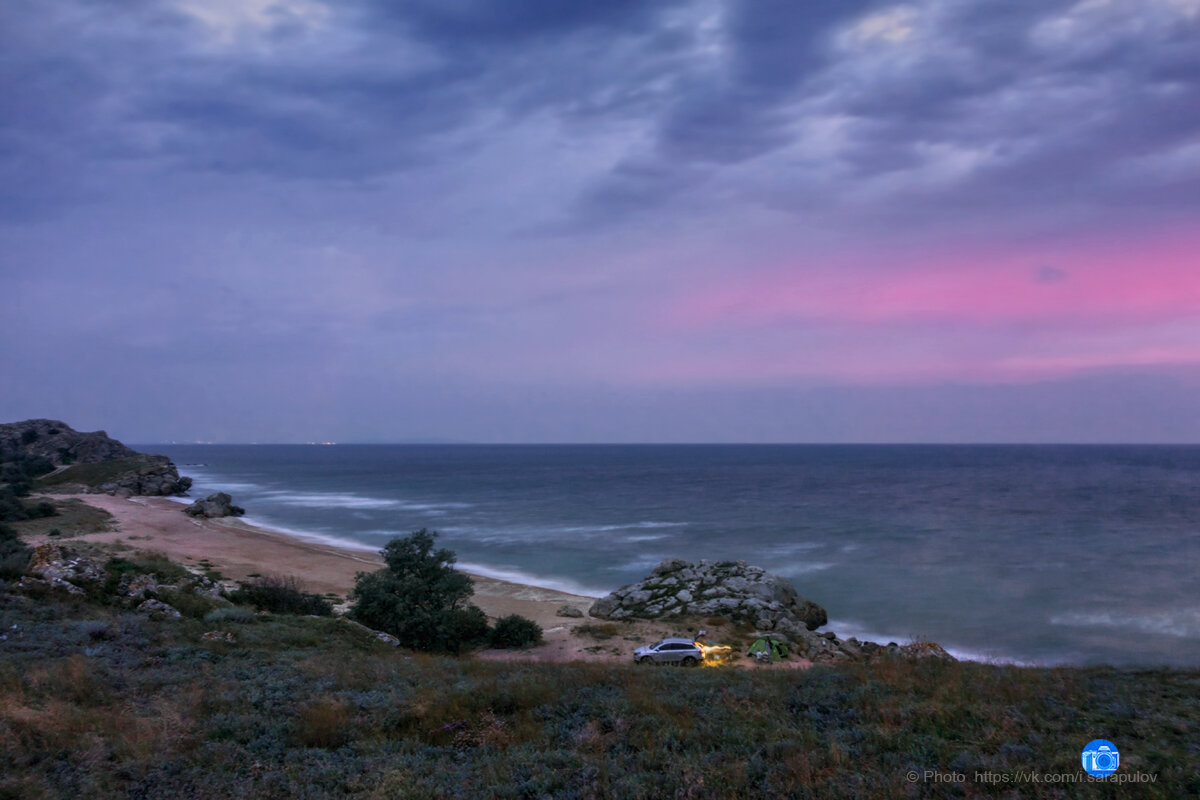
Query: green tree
x=419 y=597
x=516 y=631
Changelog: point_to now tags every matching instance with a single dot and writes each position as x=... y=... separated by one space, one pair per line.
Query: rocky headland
x=67 y=460
x=742 y=593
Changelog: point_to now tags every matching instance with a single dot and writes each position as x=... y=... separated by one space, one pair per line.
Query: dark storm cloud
x=140 y=83
x=1046 y=97
x=515 y=22
x=1049 y=98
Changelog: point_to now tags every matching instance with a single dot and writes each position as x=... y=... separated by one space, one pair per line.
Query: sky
x=620 y=221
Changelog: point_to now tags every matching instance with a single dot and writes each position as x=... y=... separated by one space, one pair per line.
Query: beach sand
x=239 y=550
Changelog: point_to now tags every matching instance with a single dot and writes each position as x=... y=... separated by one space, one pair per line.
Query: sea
x=1038 y=555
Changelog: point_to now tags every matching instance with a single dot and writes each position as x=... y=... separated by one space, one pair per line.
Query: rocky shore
x=739 y=592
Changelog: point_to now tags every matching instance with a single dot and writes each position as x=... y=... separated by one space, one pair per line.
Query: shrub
x=605 y=630
x=323 y=724
x=42 y=509
x=418 y=597
x=465 y=628
x=14 y=554
x=148 y=562
x=516 y=631
x=186 y=602
x=281 y=595
x=230 y=615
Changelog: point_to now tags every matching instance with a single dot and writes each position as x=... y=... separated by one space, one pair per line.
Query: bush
x=465 y=628
x=516 y=631
x=419 y=597
x=187 y=603
x=281 y=595
x=14 y=554
x=148 y=562
x=240 y=615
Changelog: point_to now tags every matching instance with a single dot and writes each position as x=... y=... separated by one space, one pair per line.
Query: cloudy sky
x=630 y=220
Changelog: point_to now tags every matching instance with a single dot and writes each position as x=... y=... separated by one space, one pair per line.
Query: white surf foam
x=311 y=536
x=1183 y=622
x=625 y=526
x=846 y=630
x=355 y=501
x=527 y=579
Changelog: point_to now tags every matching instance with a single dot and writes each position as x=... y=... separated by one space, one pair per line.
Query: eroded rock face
x=157 y=477
x=730 y=589
x=218 y=504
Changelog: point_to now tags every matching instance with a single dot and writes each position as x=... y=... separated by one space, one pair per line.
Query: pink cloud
x=991 y=316
x=1103 y=285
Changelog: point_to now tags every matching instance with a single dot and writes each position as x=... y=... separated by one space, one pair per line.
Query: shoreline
x=479 y=571
x=241 y=550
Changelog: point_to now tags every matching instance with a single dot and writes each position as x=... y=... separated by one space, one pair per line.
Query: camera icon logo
x=1101 y=758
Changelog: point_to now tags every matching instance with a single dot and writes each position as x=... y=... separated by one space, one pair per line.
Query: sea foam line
x=847 y=630
x=525 y=579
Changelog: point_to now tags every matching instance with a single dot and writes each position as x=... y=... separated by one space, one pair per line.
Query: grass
x=74 y=518
x=97 y=700
x=209 y=570
x=94 y=475
x=601 y=631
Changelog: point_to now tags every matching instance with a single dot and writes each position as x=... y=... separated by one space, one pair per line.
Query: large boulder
x=217 y=504
x=729 y=588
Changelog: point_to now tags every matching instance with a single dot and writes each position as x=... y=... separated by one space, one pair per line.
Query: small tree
x=419 y=597
x=516 y=631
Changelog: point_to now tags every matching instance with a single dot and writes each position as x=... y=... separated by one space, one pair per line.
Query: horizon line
x=443 y=443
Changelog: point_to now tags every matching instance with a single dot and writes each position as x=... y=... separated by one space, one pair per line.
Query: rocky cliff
x=87 y=462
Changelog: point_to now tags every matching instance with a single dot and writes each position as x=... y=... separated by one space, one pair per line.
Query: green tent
x=768 y=648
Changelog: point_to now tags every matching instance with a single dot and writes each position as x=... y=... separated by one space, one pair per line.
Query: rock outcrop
x=746 y=594
x=218 y=504
x=727 y=588
x=58 y=443
x=56 y=564
x=85 y=462
x=157 y=477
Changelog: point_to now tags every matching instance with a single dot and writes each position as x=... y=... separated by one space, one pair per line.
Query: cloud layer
x=332 y=205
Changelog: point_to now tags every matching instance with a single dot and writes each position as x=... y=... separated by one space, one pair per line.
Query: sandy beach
x=240 y=551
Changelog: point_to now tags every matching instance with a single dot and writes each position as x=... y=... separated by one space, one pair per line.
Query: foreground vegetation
x=97 y=700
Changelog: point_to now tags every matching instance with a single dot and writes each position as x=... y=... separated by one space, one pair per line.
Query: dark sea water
x=1039 y=554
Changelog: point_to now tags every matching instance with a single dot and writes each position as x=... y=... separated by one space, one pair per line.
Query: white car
x=670 y=651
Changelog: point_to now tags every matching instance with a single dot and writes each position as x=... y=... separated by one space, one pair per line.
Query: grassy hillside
x=99 y=701
x=95 y=474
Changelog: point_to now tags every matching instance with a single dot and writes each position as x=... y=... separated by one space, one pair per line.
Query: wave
x=803 y=568
x=1183 y=623
x=620 y=527
x=355 y=501
x=230 y=486
x=526 y=579
x=847 y=630
x=643 y=564
x=310 y=535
